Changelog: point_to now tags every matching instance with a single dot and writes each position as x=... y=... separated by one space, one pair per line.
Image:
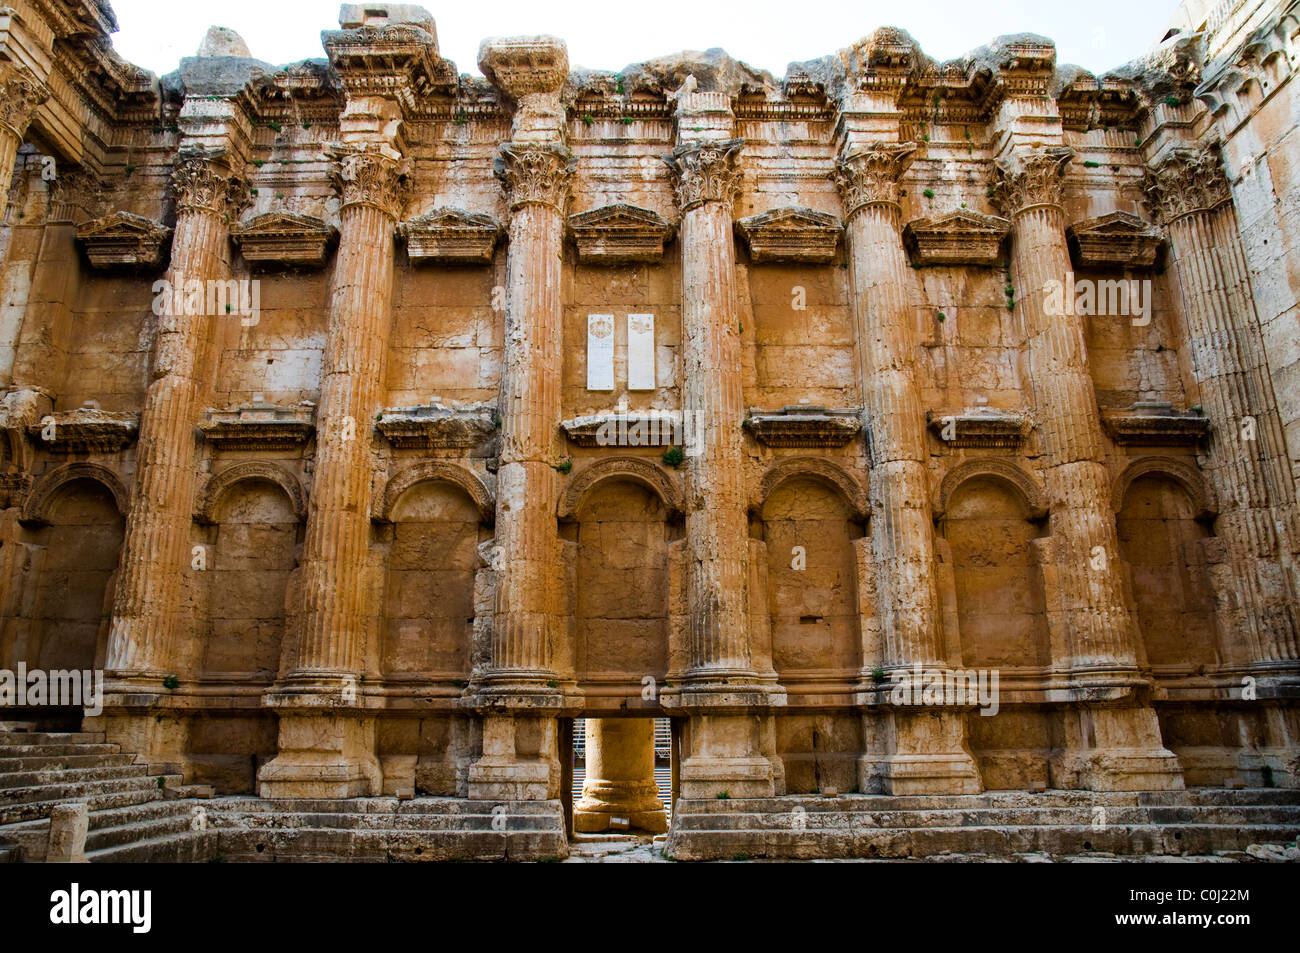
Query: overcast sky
x=1096 y=34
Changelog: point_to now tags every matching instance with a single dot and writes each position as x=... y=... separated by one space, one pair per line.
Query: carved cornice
x=618 y=233
x=284 y=238
x=1155 y=424
x=1031 y=180
x=538 y=174
x=1185 y=182
x=706 y=172
x=368 y=176
x=258 y=427
x=124 y=241
x=870 y=176
x=435 y=427
x=203 y=182
x=982 y=427
x=1115 y=240
x=962 y=237
x=804 y=425
x=450 y=235
x=791 y=234
x=20 y=94
x=86 y=430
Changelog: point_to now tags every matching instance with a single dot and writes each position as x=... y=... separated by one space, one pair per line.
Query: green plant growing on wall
x=673 y=457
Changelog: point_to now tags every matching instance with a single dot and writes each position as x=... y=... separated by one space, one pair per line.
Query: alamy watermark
x=1126 y=298
x=195 y=296
x=57 y=687
x=977 y=688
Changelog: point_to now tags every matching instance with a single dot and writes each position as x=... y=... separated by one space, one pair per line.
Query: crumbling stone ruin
x=916 y=436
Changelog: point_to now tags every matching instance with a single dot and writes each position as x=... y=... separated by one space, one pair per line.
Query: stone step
x=185 y=847
x=17 y=804
x=308 y=844
x=16 y=783
x=8 y=855
x=410 y=823
x=60 y=762
x=140 y=830
x=51 y=737
x=378 y=805
x=24 y=751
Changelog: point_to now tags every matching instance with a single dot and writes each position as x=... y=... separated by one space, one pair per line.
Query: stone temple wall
x=366 y=422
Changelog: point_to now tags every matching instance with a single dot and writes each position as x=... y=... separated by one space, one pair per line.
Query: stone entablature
x=1114 y=240
x=961 y=237
x=258 y=426
x=124 y=241
x=620 y=233
x=791 y=234
x=433 y=426
x=804 y=425
x=982 y=427
x=451 y=236
x=86 y=430
x=1155 y=423
x=285 y=238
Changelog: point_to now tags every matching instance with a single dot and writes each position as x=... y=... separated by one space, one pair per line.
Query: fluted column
x=1246 y=459
x=1112 y=740
x=155 y=551
x=620 y=777
x=20 y=94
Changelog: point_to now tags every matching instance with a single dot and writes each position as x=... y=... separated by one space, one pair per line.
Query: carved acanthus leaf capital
x=370 y=176
x=1187 y=181
x=870 y=176
x=20 y=94
x=204 y=182
x=706 y=172
x=1032 y=179
x=535 y=174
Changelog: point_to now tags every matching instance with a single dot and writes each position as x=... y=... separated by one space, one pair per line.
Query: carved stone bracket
x=450 y=235
x=791 y=234
x=981 y=427
x=285 y=238
x=437 y=427
x=962 y=237
x=124 y=241
x=1031 y=180
x=619 y=233
x=804 y=425
x=258 y=426
x=870 y=176
x=86 y=430
x=706 y=172
x=1185 y=182
x=1116 y=240
x=1150 y=423
x=20 y=95
x=535 y=174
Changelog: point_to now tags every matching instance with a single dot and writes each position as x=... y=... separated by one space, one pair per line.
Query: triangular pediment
x=451 y=235
x=284 y=238
x=619 y=233
x=619 y=215
x=959 y=237
x=447 y=218
x=122 y=225
x=1113 y=223
x=792 y=217
x=280 y=223
x=962 y=220
x=124 y=240
x=793 y=233
x=1114 y=240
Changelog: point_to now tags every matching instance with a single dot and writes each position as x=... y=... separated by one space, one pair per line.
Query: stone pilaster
x=1116 y=744
x=620 y=778
x=1246 y=457
x=908 y=759
x=333 y=756
x=20 y=94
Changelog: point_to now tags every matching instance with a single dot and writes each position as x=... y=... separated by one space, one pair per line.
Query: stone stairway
x=1197 y=822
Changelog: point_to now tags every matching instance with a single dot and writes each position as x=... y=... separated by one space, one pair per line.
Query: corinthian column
x=1108 y=747
x=156 y=551
x=20 y=94
x=333 y=755
x=1246 y=460
x=915 y=751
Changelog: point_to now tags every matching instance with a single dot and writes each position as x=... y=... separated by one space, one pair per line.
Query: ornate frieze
x=1150 y=423
x=450 y=235
x=1031 y=179
x=20 y=94
x=436 y=427
x=258 y=426
x=706 y=172
x=535 y=174
x=619 y=233
x=981 y=427
x=284 y=238
x=870 y=176
x=369 y=176
x=1186 y=181
x=124 y=241
x=1115 y=240
x=85 y=430
x=804 y=425
x=791 y=234
x=962 y=237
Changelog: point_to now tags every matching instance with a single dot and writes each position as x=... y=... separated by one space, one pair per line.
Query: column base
x=637 y=804
x=323 y=756
x=912 y=752
x=156 y=738
x=730 y=756
x=520 y=760
x=1116 y=749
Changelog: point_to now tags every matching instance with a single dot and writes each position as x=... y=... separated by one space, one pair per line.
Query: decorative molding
x=451 y=235
x=791 y=234
x=961 y=237
x=1180 y=469
x=36 y=506
x=619 y=233
x=258 y=426
x=804 y=425
x=436 y=471
x=1000 y=469
x=215 y=487
x=982 y=428
x=637 y=469
x=1155 y=424
x=1185 y=182
x=434 y=427
x=21 y=93
x=1114 y=240
x=124 y=241
x=366 y=175
x=1031 y=180
x=284 y=238
x=202 y=182
x=822 y=470
x=87 y=430
x=535 y=174
x=706 y=172
x=870 y=176
x=628 y=428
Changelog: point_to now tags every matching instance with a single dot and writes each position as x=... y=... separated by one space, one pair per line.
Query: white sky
x=1096 y=34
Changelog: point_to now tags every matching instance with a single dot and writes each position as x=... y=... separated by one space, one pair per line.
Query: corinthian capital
x=205 y=182
x=870 y=176
x=535 y=174
x=1031 y=179
x=1187 y=181
x=370 y=176
x=20 y=94
x=706 y=172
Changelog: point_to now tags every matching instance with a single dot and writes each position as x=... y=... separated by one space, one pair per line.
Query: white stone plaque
x=640 y=352
x=600 y=352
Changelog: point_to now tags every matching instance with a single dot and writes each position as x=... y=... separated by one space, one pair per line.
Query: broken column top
x=354 y=16
x=519 y=65
x=223 y=41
